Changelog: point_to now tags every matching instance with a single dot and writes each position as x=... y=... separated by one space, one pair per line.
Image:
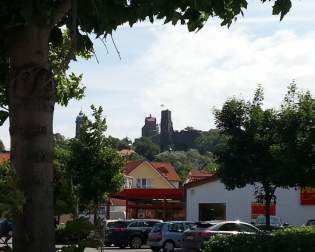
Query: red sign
x=259 y=209
x=308 y=196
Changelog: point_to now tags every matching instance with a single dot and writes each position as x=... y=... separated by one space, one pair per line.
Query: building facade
x=208 y=199
x=154 y=193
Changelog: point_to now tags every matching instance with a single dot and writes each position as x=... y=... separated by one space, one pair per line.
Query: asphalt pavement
x=114 y=249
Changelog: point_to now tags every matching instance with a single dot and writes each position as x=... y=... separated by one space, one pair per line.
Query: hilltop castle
x=166 y=137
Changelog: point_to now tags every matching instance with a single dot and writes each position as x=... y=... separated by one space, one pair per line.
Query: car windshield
x=261 y=220
x=157 y=227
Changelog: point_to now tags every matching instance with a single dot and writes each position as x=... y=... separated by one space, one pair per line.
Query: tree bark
x=268 y=198
x=31 y=106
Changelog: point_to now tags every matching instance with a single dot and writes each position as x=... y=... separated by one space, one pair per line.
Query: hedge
x=74 y=231
x=300 y=239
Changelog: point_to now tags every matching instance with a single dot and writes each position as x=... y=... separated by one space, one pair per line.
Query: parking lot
x=113 y=249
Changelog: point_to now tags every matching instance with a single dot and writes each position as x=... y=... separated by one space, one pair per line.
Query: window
x=144 y=183
x=247 y=228
x=134 y=224
x=151 y=223
x=229 y=227
x=176 y=227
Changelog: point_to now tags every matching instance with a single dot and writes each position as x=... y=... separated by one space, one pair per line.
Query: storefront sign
x=259 y=209
x=308 y=196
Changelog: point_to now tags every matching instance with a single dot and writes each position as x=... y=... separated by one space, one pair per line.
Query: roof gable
x=165 y=169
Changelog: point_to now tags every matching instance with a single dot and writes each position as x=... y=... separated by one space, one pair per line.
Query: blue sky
x=191 y=73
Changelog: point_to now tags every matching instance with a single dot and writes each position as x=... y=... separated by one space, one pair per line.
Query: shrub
x=286 y=240
x=74 y=231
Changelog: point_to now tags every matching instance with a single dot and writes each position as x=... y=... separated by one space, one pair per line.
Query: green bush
x=74 y=231
x=286 y=240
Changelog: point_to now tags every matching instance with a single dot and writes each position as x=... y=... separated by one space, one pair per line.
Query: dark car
x=168 y=235
x=194 y=239
x=310 y=223
x=5 y=228
x=133 y=233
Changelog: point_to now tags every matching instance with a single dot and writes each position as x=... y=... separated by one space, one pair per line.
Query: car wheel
x=135 y=242
x=122 y=246
x=107 y=244
x=155 y=249
x=168 y=246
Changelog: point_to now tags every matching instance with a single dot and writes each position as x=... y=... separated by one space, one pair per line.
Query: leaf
x=281 y=7
x=84 y=42
x=56 y=36
x=3 y=116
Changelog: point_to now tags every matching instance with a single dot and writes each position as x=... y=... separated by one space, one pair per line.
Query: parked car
x=5 y=228
x=133 y=233
x=194 y=239
x=310 y=223
x=168 y=235
x=275 y=222
x=108 y=224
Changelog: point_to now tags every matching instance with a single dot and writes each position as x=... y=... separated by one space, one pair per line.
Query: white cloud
x=195 y=72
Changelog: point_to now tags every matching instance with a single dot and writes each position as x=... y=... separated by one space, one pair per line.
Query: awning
x=137 y=193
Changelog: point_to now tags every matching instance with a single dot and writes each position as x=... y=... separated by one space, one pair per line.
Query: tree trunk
x=31 y=105
x=267 y=208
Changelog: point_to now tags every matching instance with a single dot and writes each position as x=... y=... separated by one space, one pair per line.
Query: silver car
x=168 y=235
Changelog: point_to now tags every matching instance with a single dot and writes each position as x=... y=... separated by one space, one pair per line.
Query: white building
x=208 y=199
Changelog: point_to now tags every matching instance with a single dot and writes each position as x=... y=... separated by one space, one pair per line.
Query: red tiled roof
x=117 y=202
x=205 y=180
x=200 y=173
x=196 y=175
x=165 y=169
x=4 y=156
x=131 y=165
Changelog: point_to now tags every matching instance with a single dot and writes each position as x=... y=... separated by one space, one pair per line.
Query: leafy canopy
x=267 y=146
x=185 y=161
x=96 y=168
x=146 y=148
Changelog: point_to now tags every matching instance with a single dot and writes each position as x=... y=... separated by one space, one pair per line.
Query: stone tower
x=78 y=123
x=166 y=136
x=150 y=127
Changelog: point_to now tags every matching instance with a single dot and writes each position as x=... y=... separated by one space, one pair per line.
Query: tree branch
x=60 y=11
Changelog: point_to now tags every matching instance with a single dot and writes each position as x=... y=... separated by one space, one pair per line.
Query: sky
x=192 y=73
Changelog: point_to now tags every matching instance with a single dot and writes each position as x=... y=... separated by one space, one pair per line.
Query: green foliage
x=105 y=16
x=185 y=161
x=95 y=167
x=146 y=148
x=64 y=197
x=11 y=199
x=118 y=144
x=69 y=85
x=297 y=134
x=287 y=240
x=265 y=146
x=213 y=141
x=74 y=231
x=135 y=156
